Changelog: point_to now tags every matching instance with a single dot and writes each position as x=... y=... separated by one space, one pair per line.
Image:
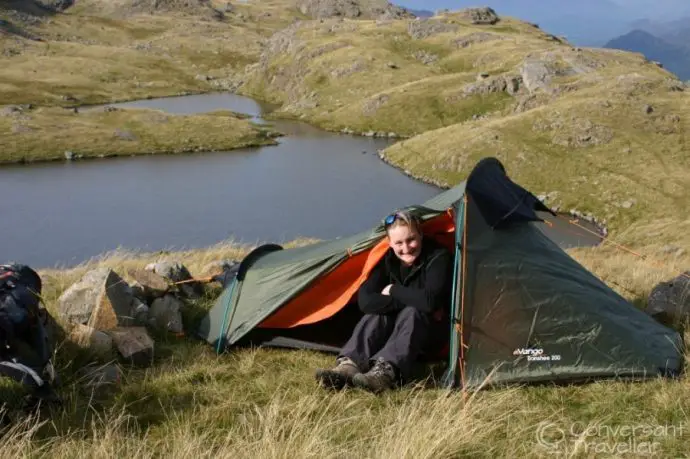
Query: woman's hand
x=386 y=290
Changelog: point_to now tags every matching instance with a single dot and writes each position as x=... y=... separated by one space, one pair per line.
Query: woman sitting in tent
x=405 y=302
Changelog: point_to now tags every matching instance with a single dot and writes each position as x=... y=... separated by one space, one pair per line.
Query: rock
x=69 y=155
x=20 y=129
x=165 y=314
x=101 y=298
x=100 y=377
x=425 y=57
x=669 y=301
x=140 y=312
x=371 y=105
x=10 y=110
x=392 y=65
x=109 y=108
x=125 y=135
x=628 y=204
x=485 y=15
x=672 y=250
x=150 y=284
x=177 y=272
x=475 y=38
x=94 y=340
x=217 y=267
x=648 y=109
x=322 y=9
x=487 y=85
x=58 y=5
x=424 y=28
x=535 y=74
x=134 y=344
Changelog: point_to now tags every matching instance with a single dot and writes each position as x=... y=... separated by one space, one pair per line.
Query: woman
x=405 y=303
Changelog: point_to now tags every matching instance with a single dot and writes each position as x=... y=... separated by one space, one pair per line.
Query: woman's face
x=406 y=243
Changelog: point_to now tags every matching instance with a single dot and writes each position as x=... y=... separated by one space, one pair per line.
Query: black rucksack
x=25 y=347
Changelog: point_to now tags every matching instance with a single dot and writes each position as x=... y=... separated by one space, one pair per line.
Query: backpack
x=25 y=347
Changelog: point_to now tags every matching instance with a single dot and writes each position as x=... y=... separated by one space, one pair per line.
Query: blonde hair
x=403 y=218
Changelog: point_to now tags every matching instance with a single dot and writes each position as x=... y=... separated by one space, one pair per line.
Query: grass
x=265 y=403
x=47 y=133
x=587 y=136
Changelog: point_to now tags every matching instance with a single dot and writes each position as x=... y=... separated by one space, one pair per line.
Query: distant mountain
x=674 y=57
x=676 y=31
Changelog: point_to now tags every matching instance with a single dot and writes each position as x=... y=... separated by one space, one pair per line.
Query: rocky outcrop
x=485 y=15
x=475 y=38
x=373 y=104
x=423 y=28
x=202 y=8
x=352 y=9
x=486 y=84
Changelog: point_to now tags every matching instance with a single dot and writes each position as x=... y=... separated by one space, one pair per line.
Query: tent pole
x=225 y=316
x=462 y=296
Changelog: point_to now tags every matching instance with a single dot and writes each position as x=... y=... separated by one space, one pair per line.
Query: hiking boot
x=378 y=379
x=339 y=376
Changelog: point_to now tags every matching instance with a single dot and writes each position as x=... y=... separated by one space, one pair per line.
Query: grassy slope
x=48 y=132
x=264 y=403
x=90 y=57
x=586 y=134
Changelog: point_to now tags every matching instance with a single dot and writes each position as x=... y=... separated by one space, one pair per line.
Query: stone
x=669 y=301
x=648 y=109
x=125 y=135
x=177 y=272
x=96 y=341
x=149 y=284
x=114 y=304
x=536 y=75
x=100 y=298
x=672 y=250
x=140 y=312
x=69 y=155
x=628 y=204
x=475 y=38
x=134 y=344
x=218 y=267
x=10 y=110
x=484 y=15
x=100 y=377
x=392 y=65
x=165 y=314
x=424 y=28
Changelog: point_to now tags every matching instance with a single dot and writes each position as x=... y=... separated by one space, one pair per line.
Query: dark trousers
x=398 y=338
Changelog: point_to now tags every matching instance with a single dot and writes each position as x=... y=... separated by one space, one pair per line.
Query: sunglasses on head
x=390 y=219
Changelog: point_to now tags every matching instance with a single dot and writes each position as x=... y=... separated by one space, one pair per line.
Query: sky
x=582 y=22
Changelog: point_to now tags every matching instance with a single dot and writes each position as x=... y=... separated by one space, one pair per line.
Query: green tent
x=523 y=310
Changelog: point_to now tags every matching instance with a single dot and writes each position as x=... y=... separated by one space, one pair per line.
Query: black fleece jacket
x=426 y=285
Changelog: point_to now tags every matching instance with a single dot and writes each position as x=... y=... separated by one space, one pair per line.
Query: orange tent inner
x=331 y=292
